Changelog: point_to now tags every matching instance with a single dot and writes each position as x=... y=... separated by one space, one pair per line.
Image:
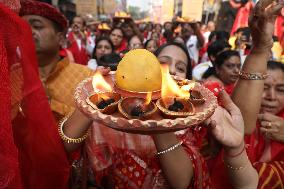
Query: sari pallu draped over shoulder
x=32 y=154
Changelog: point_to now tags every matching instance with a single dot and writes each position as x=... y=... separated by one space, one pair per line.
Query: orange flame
x=148 y=98
x=169 y=87
x=99 y=83
x=104 y=97
x=188 y=87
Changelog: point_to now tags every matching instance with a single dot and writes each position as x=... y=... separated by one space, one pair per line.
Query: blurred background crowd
x=113 y=27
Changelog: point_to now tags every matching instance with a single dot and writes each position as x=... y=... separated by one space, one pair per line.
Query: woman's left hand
x=272 y=126
x=227 y=124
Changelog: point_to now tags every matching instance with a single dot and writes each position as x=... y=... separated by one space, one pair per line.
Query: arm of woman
x=248 y=93
x=76 y=126
x=176 y=164
x=227 y=126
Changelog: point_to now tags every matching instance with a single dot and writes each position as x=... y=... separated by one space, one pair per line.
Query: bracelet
x=170 y=148
x=236 y=155
x=66 y=138
x=252 y=76
x=234 y=168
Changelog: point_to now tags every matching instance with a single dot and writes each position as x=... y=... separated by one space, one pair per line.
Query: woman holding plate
x=125 y=160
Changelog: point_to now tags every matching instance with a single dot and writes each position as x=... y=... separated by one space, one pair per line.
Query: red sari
x=128 y=161
x=266 y=156
x=32 y=154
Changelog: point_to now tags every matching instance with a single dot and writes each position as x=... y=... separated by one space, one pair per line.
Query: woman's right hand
x=272 y=126
x=262 y=21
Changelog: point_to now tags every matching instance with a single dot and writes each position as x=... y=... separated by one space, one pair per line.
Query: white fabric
x=78 y=41
x=192 y=47
x=200 y=69
x=90 y=44
x=92 y=64
x=206 y=36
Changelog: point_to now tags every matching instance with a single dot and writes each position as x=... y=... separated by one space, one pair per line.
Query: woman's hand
x=227 y=124
x=262 y=21
x=272 y=126
x=103 y=70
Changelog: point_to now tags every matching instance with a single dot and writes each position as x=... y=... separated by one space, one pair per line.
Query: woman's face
x=176 y=59
x=152 y=46
x=273 y=93
x=135 y=43
x=228 y=72
x=103 y=48
x=116 y=37
x=155 y=36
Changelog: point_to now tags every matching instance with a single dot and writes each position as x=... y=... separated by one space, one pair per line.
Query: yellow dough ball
x=139 y=71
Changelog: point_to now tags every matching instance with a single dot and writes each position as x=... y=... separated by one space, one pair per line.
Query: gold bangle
x=252 y=76
x=234 y=168
x=66 y=138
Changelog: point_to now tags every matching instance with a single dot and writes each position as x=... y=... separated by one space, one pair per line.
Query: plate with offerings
x=142 y=97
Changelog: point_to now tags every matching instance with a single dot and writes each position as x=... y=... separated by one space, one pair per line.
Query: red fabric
x=122 y=47
x=41 y=162
x=129 y=160
x=271 y=175
x=241 y=19
x=259 y=147
x=31 y=7
x=80 y=55
x=279 y=29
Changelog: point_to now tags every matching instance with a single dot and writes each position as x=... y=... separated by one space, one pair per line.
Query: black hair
x=140 y=38
x=216 y=47
x=212 y=34
x=220 y=59
x=167 y=22
x=98 y=40
x=110 y=60
x=222 y=35
x=79 y=16
x=274 y=65
x=225 y=55
x=117 y=28
x=184 y=49
x=148 y=41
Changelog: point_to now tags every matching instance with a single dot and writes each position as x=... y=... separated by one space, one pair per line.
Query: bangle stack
x=252 y=76
x=170 y=148
x=66 y=138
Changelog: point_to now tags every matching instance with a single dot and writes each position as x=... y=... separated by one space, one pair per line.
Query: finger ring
x=269 y=124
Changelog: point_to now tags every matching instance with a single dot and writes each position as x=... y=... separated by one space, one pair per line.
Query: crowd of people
x=43 y=58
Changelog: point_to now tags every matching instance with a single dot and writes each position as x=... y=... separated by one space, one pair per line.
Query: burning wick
x=138 y=110
x=141 y=109
x=176 y=106
x=106 y=101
